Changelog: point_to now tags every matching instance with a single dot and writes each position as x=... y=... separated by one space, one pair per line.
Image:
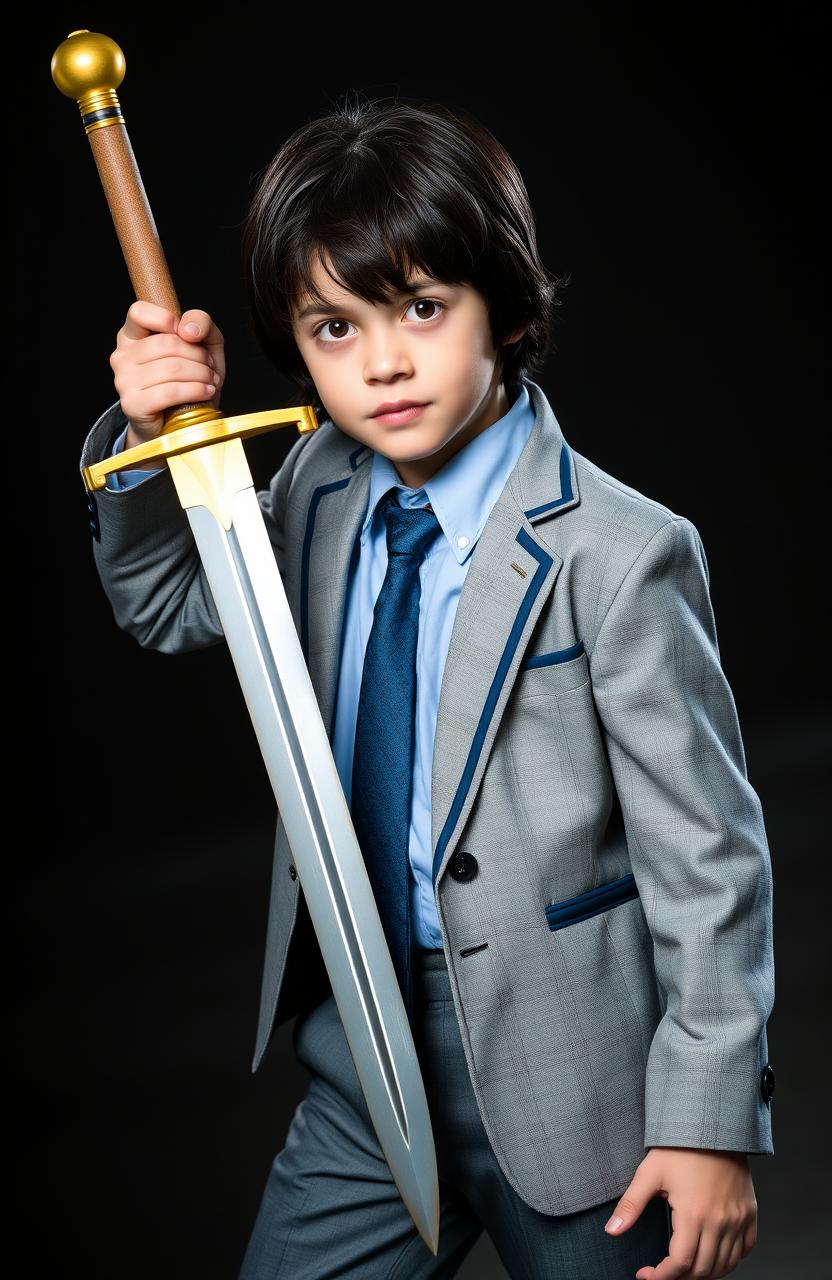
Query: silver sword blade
x=260 y=631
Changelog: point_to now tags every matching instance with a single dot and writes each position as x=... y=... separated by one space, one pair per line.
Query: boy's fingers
x=197 y=326
x=144 y=318
x=207 y=336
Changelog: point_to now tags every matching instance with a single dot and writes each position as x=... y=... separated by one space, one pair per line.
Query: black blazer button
x=767 y=1082
x=92 y=507
x=463 y=865
x=292 y=871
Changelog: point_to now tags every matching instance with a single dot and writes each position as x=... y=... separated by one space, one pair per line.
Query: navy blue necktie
x=382 y=770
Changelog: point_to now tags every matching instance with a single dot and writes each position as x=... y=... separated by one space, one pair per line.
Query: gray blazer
x=611 y=957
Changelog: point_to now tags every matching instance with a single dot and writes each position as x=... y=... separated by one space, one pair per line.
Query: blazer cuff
x=719 y=1103
x=129 y=523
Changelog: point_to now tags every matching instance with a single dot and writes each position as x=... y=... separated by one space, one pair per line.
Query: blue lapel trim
x=565 y=485
x=356 y=454
x=544 y=564
x=319 y=493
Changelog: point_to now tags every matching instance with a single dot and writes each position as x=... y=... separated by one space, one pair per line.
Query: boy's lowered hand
x=714 y=1210
x=158 y=363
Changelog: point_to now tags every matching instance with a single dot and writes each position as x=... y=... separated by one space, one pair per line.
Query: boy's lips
x=395 y=406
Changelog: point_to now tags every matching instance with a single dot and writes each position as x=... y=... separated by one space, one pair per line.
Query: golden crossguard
x=191 y=428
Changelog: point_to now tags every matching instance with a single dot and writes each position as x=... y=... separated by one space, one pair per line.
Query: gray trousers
x=331 y=1209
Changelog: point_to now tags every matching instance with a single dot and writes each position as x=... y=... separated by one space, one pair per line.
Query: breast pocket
x=552 y=673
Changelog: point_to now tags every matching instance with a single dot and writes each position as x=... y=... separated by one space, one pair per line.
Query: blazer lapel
x=333 y=520
x=512 y=572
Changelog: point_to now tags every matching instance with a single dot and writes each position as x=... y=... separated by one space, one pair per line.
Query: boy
x=588 y=878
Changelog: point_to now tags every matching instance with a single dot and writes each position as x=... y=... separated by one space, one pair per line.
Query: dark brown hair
x=385 y=186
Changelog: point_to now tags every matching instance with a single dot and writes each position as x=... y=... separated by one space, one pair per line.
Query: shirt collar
x=462 y=493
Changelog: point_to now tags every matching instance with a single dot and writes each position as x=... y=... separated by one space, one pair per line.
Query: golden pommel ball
x=88 y=64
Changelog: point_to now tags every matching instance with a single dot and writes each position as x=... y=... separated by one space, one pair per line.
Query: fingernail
x=192 y=328
x=613 y=1224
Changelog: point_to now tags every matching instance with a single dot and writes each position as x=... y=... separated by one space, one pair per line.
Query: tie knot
x=410 y=530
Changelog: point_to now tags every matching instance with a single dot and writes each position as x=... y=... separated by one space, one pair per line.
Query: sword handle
x=89 y=67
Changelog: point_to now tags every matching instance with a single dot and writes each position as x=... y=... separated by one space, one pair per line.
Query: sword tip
x=428 y=1222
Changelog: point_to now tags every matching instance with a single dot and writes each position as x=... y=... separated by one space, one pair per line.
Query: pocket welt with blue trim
x=591 y=903
x=559 y=655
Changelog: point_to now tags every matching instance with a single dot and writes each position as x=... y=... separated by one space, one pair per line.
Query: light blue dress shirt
x=126 y=479
x=462 y=494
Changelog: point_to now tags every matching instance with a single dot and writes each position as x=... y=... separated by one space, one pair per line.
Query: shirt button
x=292 y=872
x=462 y=541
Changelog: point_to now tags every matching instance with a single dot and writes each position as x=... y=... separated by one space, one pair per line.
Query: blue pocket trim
x=560 y=655
x=591 y=903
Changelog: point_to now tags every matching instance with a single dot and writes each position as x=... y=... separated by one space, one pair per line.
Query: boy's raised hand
x=159 y=363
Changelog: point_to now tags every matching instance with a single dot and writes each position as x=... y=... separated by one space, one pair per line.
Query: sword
x=204 y=453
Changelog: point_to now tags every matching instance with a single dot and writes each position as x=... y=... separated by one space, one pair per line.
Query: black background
x=675 y=167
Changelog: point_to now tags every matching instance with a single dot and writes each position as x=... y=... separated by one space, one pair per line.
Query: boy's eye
x=433 y=305
x=316 y=333
x=426 y=302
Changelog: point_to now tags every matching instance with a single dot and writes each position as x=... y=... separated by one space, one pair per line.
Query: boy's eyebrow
x=317 y=309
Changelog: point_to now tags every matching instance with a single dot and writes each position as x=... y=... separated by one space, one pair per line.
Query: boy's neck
x=416 y=472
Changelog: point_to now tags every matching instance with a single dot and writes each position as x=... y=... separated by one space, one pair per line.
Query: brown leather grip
x=134 y=224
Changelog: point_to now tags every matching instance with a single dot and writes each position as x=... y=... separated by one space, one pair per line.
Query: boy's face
x=432 y=346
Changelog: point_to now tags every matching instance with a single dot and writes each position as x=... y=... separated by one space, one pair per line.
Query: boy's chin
x=405 y=443
x=406 y=451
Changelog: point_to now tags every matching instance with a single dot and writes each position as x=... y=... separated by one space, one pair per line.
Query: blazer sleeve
x=145 y=553
x=698 y=847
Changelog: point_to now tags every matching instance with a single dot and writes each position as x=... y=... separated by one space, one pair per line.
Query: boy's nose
x=386 y=356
